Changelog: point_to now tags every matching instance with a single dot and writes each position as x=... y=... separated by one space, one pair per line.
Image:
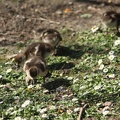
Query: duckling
x=35 y=49
x=34 y=67
x=51 y=36
x=111 y=19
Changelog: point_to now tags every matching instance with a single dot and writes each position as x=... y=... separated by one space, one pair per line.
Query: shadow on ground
x=79 y=51
x=61 y=66
x=67 y=51
x=53 y=85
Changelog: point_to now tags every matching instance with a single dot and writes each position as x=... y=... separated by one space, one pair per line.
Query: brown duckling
x=34 y=67
x=51 y=36
x=111 y=19
x=35 y=49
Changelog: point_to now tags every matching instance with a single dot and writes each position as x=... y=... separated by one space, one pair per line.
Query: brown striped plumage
x=51 y=36
x=35 y=49
x=111 y=19
x=34 y=67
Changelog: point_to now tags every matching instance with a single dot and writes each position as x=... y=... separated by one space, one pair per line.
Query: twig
x=10 y=33
x=43 y=19
x=11 y=56
x=81 y=112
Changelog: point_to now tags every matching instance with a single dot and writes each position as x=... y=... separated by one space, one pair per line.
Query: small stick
x=44 y=19
x=11 y=56
x=81 y=111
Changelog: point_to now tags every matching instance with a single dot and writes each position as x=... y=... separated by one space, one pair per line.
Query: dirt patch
x=24 y=20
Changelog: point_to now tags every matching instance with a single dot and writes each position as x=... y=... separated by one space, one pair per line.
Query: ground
x=76 y=76
x=24 y=20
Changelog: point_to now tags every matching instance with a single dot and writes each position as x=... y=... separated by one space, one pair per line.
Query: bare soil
x=23 y=20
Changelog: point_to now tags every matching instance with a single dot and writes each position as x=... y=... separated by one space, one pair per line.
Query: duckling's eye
x=48 y=50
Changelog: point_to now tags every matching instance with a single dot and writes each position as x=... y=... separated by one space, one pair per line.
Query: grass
x=81 y=73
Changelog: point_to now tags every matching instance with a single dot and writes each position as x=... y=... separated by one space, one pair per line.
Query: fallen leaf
x=67 y=10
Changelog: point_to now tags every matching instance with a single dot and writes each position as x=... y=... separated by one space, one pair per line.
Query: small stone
x=46 y=91
x=86 y=15
x=7 y=86
x=70 y=3
x=59 y=12
x=99 y=104
x=108 y=103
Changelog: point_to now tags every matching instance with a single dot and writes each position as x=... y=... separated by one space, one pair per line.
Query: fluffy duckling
x=34 y=67
x=51 y=36
x=35 y=49
x=111 y=19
